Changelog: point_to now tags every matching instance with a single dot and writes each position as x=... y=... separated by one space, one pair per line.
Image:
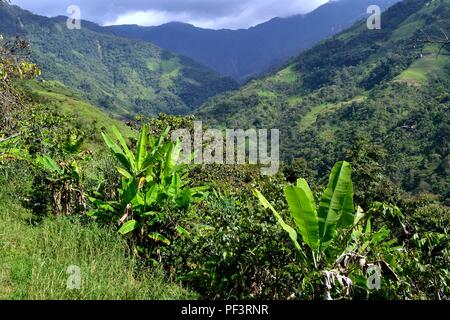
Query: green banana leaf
x=302 y=208
x=118 y=153
x=129 y=227
x=49 y=164
x=124 y=145
x=291 y=231
x=337 y=202
x=141 y=152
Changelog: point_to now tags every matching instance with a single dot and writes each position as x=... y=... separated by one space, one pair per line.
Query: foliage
x=14 y=65
x=9 y=149
x=325 y=230
x=34 y=260
x=318 y=227
x=233 y=251
x=354 y=86
x=65 y=184
x=153 y=181
x=348 y=98
x=237 y=53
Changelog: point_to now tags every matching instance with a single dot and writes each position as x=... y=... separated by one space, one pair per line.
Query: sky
x=212 y=14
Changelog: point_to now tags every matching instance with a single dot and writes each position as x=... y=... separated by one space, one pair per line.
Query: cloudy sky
x=213 y=14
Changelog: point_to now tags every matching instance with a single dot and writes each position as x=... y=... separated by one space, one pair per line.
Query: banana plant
x=317 y=225
x=65 y=183
x=151 y=178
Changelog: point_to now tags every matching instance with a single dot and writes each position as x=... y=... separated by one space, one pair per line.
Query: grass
x=295 y=100
x=430 y=65
x=288 y=75
x=167 y=79
x=311 y=117
x=267 y=94
x=423 y=69
x=34 y=260
x=171 y=65
x=58 y=96
x=406 y=29
x=153 y=65
x=89 y=118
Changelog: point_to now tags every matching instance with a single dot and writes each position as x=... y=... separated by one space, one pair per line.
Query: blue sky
x=213 y=14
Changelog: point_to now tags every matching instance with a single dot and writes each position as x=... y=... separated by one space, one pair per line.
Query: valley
x=134 y=160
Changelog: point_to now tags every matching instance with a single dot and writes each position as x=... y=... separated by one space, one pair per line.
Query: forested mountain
x=387 y=88
x=242 y=54
x=121 y=75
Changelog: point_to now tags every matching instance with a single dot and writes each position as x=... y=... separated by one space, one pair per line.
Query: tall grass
x=34 y=261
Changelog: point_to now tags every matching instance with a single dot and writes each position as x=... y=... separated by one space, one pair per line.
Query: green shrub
x=234 y=251
x=154 y=186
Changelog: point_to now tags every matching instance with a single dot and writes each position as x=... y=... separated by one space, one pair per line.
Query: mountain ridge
x=123 y=76
x=246 y=53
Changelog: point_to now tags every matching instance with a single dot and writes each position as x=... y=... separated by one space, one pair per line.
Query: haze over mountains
x=246 y=53
x=124 y=76
x=92 y=181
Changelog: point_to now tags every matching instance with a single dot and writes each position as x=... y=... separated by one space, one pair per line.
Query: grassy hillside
x=385 y=85
x=37 y=249
x=34 y=259
x=120 y=75
x=138 y=225
x=425 y=69
x=87 y=119
x=64 y=100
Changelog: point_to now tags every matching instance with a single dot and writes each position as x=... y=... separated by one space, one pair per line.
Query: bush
x=235 y=251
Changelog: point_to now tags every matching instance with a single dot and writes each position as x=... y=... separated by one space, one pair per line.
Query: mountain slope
x=122 y=75
x=376 y=84
x=242 y=54
x=84 y=115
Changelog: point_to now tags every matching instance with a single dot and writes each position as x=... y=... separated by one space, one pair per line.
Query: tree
x=442 y=41
x=14 y=65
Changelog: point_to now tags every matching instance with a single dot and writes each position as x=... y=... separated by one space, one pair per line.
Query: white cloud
x=213 y=14
x=149 y=18
x=244 y=19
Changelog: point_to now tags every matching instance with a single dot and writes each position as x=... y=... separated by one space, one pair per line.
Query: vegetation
x=318 y=227
x=237 y=53
x=388 y=87
x=112 y=200
x=151 y=185
x=35 y=260
x=124 y=77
